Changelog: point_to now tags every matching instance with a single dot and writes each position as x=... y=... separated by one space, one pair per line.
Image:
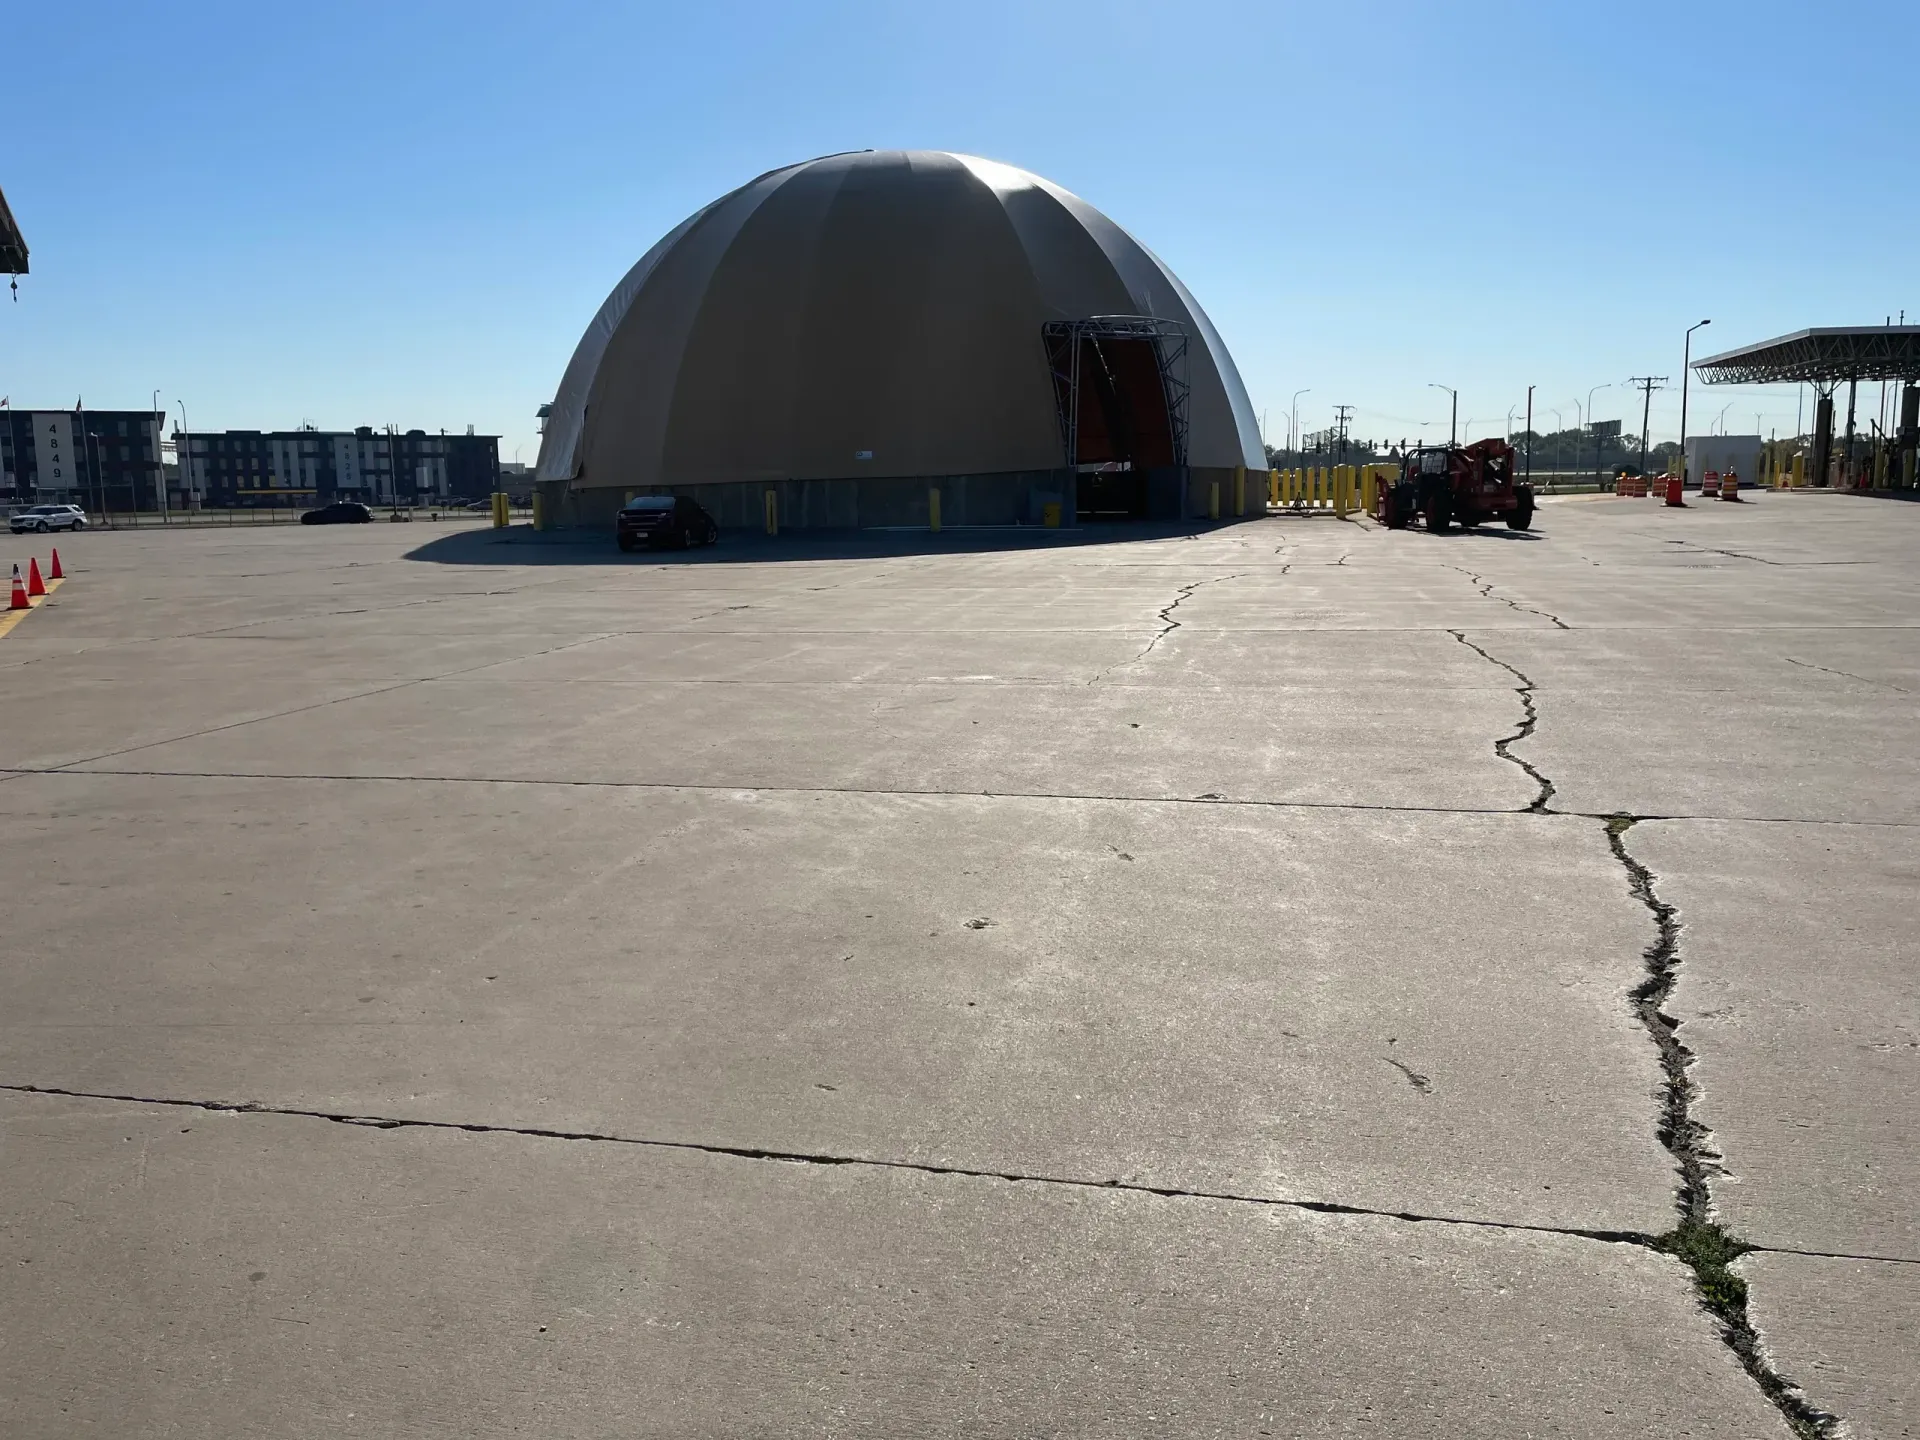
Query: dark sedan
x=664 y=520
x=340 y=512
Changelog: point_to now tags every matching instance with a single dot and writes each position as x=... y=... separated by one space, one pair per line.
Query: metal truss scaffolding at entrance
x=1071 y=344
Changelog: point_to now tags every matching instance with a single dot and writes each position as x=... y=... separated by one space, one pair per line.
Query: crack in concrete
x=1486 y=589
x=1531 y=719
x=1699 y=1241
x=14 y=772
x=1636 y=1238
x=1844 y=675
x=1420 y=1082
x=1167 y=623
x=794 y=1157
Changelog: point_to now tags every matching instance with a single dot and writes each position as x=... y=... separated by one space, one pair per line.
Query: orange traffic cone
x=35 y=585
x=19 y=600
x=54 y=572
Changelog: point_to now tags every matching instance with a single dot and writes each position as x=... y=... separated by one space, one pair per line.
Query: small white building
x=1721 y=453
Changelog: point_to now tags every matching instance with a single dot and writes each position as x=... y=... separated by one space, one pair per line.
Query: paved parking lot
x=1163 y=983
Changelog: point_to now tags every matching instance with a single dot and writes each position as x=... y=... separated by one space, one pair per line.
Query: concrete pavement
x=1059 y=988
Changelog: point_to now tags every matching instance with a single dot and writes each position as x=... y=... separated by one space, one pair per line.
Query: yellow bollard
x=773 y=512
x=933 y=510
x=1799 y=470
x=1213 y=501
x=1369 y=488
x=1239 y=490
x=1286 y=487
x=1273 y=487
x=1342 y=491
x=1050 y=515
x=539 y=511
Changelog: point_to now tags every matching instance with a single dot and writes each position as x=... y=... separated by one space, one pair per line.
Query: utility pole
x=1648 y=383
x=1341 y=414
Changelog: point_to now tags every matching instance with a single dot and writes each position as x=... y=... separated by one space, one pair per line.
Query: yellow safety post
x=1050 y=515
x=933 y=510
x=1239 y=490
x=1273 y=487
x=1342 y=489
x=1213 y=501
x=1284 y=495
x=1321 y=484
x=773 y=512
x=539 y=511
x=1369 y=482
x=1799 y=469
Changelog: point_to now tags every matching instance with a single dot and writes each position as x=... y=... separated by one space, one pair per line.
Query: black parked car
x=340 y=512
x=664 y=520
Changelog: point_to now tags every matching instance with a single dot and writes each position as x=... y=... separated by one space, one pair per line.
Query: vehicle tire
x=625 y=542
x=79 y=524
x=1439 y=512
x=1521 y=516
x=1399 y=507
x=713 y=534
x=40 y=527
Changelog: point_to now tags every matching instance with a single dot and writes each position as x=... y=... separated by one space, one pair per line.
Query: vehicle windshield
x=650 y=502
x=1433 y=462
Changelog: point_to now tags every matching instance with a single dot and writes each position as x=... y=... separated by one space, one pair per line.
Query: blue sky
x=406 y=213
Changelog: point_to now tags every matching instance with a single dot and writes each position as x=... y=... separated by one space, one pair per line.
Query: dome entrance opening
x=1120 y=387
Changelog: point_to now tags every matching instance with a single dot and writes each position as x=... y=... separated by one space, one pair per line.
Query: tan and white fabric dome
x=866 y=317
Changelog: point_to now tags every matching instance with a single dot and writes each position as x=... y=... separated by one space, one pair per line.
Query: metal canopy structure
x=13 y=245
x=1823 y=357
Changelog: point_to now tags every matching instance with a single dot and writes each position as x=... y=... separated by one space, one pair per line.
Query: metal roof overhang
x=1867 y=352
x=13 y=246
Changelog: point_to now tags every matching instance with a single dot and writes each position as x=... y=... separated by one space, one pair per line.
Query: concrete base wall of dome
x=1018 y=497
x=1241 y=492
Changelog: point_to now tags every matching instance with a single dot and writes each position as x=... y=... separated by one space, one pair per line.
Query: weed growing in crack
x=1699 y=1242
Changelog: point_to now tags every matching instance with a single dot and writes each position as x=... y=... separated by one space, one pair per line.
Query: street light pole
x=1686 y=355
x=1453 y=420
x=1596 y=433
x=1293 y=426
x=1529 y=434
x=159 y=465
x=185 y=455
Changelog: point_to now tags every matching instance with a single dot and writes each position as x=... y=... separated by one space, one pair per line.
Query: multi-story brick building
x=96 y=459
x=303 y=467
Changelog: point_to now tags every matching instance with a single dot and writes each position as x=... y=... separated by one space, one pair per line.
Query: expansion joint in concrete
x=1529 y=720
x=1700 y=1241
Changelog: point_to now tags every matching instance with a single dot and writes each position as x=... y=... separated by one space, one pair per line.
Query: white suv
x=49 y=517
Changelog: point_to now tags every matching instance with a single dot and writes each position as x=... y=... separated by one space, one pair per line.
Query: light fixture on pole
x=1453 y=426
x=1293 y=425
x=1686 y=355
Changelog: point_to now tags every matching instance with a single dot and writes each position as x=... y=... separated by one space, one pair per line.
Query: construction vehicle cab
x=1470 y=484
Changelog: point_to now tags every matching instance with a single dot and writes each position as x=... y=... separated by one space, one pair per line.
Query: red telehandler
x=1470 y=484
